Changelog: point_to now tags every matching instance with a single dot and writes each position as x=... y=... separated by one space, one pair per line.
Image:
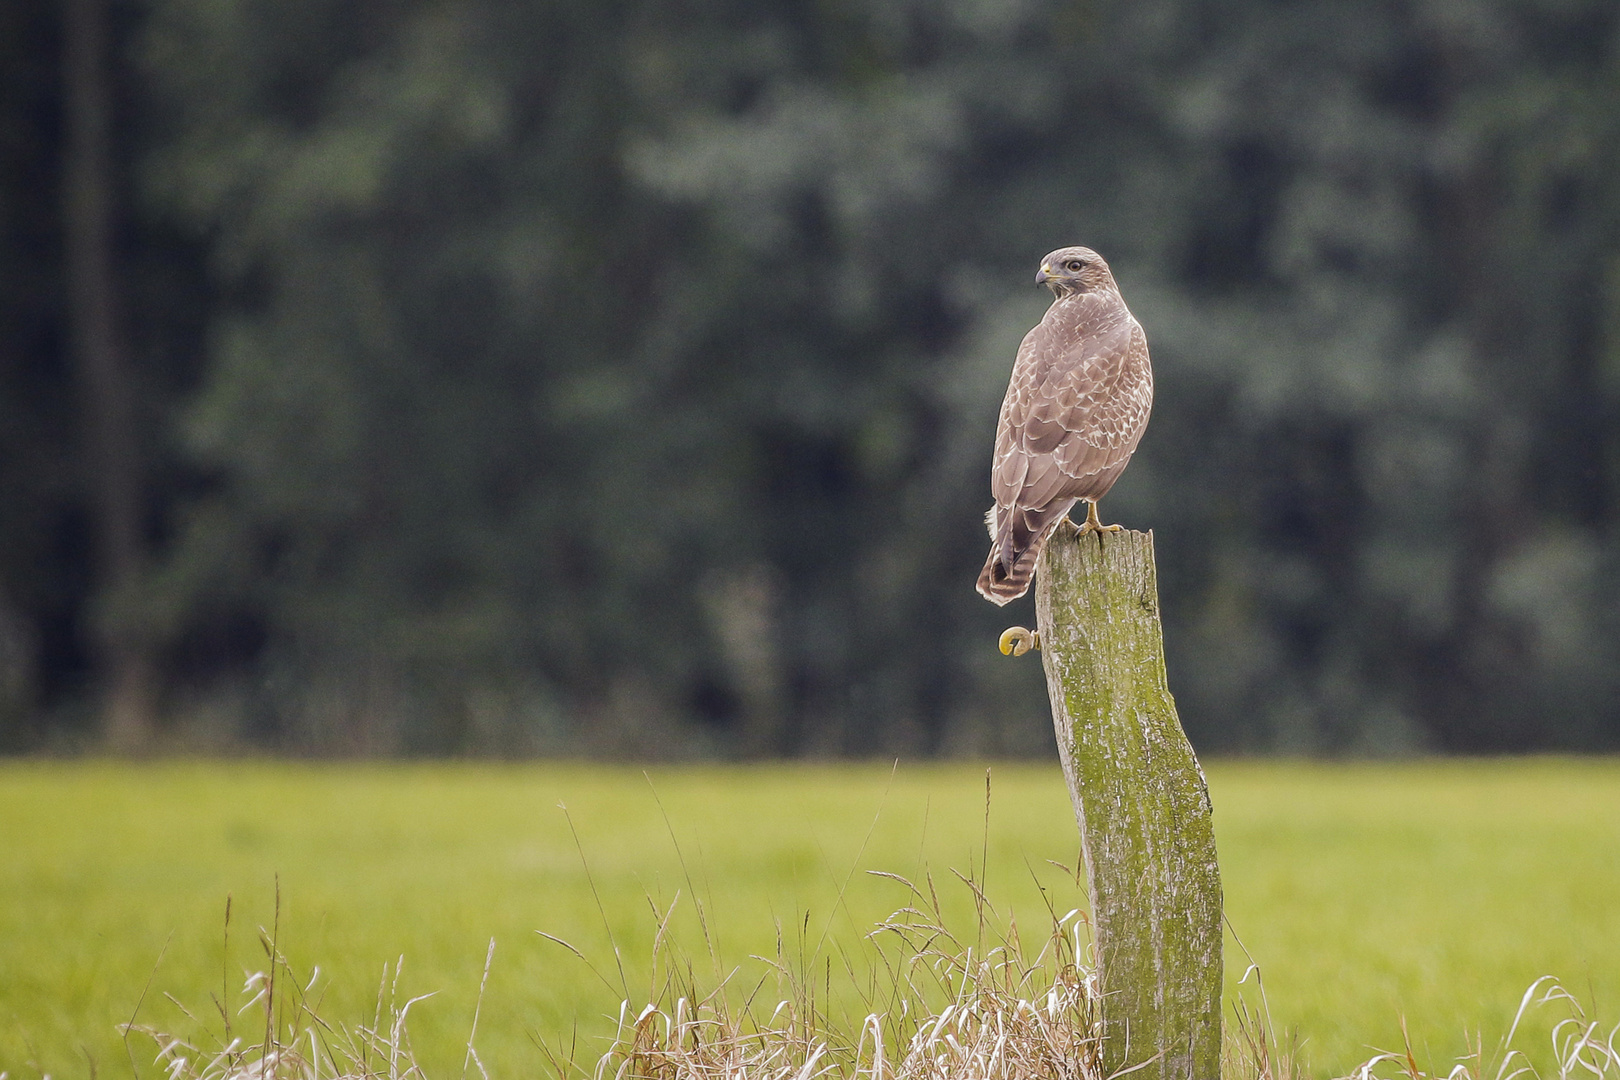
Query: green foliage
x=1434 y=891
x=619 y=378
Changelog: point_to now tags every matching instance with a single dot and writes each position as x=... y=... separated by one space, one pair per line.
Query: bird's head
x=1073 y=270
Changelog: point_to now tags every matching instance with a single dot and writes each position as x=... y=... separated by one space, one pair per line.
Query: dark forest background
x=619 y=378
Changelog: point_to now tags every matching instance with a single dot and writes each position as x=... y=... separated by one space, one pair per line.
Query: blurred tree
x=621 y=378
x=1425 y=267
x=34 y=414
x=70 y=507
x=102 y=368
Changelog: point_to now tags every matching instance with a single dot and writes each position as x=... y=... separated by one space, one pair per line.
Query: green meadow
x=1368 y=893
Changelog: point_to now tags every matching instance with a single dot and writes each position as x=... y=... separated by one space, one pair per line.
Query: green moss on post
x=1142 y=803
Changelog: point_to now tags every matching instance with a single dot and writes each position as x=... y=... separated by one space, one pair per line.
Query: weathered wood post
x=1142 y=803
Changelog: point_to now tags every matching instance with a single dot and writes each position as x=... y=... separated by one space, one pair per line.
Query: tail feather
x=1017 y=537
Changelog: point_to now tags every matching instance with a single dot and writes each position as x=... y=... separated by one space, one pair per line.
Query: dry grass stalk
x=1581 y=1049
x=932 y=1006
x=936 y=1008
x=278 y=1033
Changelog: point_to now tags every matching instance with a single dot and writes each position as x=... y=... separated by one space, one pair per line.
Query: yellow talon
x=1016 y=641
x=1093 y=524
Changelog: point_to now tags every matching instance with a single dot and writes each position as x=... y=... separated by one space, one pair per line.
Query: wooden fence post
x=1142 y=804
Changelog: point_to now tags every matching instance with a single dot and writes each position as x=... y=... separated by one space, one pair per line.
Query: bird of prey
x=1079 y=398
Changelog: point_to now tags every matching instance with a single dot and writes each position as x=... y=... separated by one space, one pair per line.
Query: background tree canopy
x=620 y=378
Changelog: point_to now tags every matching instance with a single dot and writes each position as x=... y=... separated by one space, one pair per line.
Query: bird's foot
x=1093 y=524
x=1016 y=641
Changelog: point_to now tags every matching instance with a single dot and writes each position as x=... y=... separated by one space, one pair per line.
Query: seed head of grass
x=933 y=1006
x=931 y=1003
x=277 y=1032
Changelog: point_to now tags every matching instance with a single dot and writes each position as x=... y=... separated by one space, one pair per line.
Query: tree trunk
x=1142 y=803
x=111 y=459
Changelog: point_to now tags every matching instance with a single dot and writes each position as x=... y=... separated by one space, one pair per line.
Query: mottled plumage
x=1079 y=398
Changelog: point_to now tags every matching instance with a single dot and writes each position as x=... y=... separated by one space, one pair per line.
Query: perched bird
x=1079 y=398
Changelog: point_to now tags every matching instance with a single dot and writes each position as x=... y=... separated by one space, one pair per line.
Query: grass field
x=1437 y=891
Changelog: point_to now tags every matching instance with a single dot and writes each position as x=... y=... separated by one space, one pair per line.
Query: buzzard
x=1078 y=401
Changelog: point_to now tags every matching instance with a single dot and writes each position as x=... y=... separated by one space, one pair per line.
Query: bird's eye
x=1074 y=266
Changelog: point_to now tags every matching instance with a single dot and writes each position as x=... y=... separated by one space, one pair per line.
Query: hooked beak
x=1043 y=275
